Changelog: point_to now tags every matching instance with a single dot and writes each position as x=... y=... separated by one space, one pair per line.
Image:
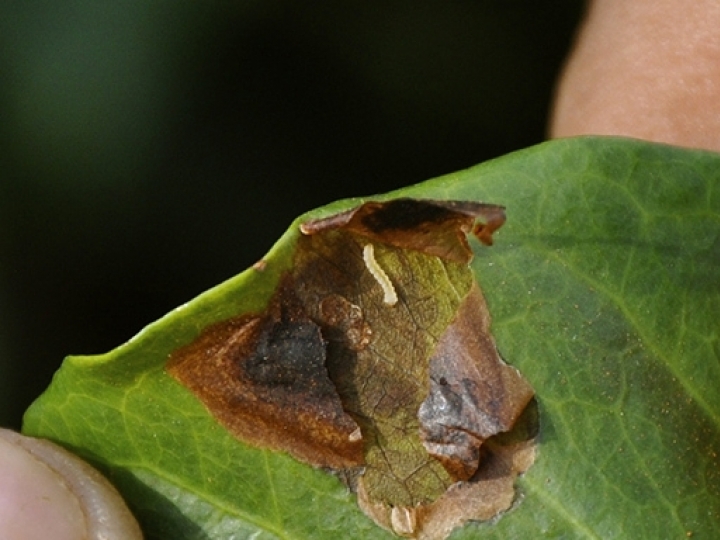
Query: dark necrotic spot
x=290 y=354
x=405 y=214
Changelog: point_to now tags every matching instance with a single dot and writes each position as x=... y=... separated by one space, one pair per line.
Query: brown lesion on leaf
x=413 y=390
x=264 y=378
x=344 y=322
x=434 y=227
x=382 y=384
x=469 y=401
x=484 y=496
x=479 y=421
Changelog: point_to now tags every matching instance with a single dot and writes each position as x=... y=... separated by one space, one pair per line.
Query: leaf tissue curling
x=374 y=358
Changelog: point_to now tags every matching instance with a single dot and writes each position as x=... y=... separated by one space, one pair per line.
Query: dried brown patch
x=375 y=358
x=484 y=497
x=433 y=227
x=264 y=378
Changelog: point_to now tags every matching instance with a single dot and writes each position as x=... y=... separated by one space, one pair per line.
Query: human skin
x=47 y=492
x=648 y=69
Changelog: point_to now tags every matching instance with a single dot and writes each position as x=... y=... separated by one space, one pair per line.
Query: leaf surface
x=604 y=289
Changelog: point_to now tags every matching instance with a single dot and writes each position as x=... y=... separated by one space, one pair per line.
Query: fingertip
x=46 y=488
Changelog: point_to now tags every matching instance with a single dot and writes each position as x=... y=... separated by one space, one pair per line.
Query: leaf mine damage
x=374 y=358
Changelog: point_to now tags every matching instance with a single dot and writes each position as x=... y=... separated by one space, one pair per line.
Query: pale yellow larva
x=390 y=296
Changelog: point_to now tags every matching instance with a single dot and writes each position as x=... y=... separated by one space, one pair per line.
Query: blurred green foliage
x=150 y=150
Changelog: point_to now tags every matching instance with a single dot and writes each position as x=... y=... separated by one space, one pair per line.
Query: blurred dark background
x=150 y=150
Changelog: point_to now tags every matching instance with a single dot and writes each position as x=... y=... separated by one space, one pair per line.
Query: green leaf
x=604 y=287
